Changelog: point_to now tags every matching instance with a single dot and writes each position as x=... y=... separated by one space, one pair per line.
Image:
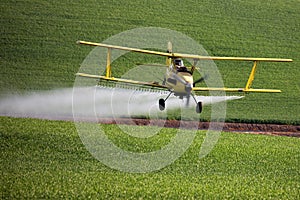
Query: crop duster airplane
x=178 y=79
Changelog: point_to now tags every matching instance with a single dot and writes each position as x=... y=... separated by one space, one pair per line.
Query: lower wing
x=127 y=81
x=235 y=89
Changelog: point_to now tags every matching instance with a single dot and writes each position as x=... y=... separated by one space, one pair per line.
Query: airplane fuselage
x=179 y=82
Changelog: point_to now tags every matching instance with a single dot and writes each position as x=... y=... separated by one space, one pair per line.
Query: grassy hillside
x=38 y=49
x=46 y=159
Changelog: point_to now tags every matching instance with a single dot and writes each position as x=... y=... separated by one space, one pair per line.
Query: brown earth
x=268 y=129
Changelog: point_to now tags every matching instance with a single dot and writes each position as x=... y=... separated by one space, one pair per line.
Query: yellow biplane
x=178 y=79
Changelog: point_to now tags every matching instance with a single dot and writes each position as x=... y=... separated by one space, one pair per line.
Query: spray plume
x=89 y=102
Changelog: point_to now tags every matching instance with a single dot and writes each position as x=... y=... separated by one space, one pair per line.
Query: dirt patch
x=269 y=129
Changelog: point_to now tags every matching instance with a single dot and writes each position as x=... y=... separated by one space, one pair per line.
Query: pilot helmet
x=178 y=62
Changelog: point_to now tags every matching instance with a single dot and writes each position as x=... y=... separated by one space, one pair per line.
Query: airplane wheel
x=161 y=103
x=199 y=107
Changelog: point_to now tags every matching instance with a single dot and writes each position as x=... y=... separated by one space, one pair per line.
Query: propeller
x=170 y=47
x=188 y=89
x=200 y=80
x=188 y=100
x=180 y=79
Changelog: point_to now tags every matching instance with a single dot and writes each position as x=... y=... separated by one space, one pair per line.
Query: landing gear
x=162 y=104
x=199 y=107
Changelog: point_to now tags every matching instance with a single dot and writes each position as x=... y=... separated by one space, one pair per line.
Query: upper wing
x=181 y=55
x=198 y=57
x=125 y=48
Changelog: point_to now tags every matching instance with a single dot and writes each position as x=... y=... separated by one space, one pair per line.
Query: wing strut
x=108 y=63
x=251 y=76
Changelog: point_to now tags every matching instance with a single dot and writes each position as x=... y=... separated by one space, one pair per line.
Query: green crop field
x=39 y=51
x=46 y=159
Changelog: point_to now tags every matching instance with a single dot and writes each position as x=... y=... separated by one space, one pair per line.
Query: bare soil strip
x=267 y=129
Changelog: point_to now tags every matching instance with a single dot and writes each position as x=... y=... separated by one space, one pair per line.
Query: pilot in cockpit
x=179 y=65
